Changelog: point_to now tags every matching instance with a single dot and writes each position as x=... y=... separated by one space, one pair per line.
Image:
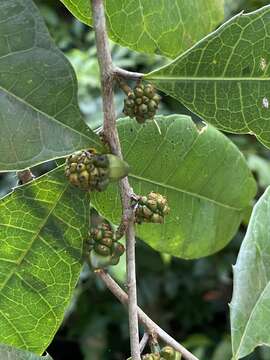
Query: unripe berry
x=168 y=353
x=107 y=242
x=102 y=249
x=138 y=91
x=118 y=249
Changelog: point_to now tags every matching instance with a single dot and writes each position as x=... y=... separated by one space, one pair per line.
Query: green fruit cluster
x=167 y=353
x=151 y=208
x=105 y=249
x=142 y=103
x=91 y=171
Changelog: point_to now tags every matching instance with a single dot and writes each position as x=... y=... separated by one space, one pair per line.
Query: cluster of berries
x=142 y=103
x=151 y=208
x=91 y=171
x=104 y=247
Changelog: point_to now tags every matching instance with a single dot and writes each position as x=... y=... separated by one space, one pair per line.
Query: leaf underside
x=225 y=77
x=250 y=306
x=42 y=228
x=199 y=172
x=11 y=353
x=166 y=28
x=39 y=115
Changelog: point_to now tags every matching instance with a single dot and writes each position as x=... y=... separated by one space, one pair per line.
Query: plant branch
x=122 y=296
x=111 y=137
x=144 y=341
x=118 y=72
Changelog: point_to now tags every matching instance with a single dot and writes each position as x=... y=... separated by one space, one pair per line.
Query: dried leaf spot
x=263 y=64
x=265 y=103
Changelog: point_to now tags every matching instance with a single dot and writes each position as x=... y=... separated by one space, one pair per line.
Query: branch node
x=122 y=296
x=129 y=75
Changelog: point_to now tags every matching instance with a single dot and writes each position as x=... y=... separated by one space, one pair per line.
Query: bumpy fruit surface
x=104 y=249
x=142 y=103
x=151 y=208
x=151 y=357
x=91 y=171
x=168 y=353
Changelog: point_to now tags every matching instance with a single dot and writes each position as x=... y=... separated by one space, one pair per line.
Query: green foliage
x=167 y=28
x=10 y=353
x=250 y=306
x=205 y=177
x=224 y=77
x=41 y=108
x=200 y=173
x=43 y=225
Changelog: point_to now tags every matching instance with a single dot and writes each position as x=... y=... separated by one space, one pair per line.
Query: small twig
x=111 y=137
x=122 y=228
x=123 y=85
x=153 y=341
x=144 y=341
x=122 y=296
x=118 y=72
x=25 y=176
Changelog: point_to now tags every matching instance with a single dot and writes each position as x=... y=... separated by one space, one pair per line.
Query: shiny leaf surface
x=250 y=306
x=42 y=228
x=39 y=116
x=200 y=172
x=225 y=77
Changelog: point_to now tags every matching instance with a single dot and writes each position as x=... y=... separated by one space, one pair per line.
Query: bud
x=117 y=167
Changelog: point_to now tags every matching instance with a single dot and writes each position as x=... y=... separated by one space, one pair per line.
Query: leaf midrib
x=250 y=316
x=210 y=78
x=36 y=234
x=166 y=186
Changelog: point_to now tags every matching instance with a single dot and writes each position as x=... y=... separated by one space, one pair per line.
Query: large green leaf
x=225 y=77
x=203 y=174
x=11 y=353
x=39 y=115
x=166 y=27
x=42 y=227
x=250 y=307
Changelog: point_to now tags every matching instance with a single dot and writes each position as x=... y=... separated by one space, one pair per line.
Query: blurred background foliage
x=189 y=299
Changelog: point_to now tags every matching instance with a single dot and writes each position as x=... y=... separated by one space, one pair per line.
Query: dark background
x=189 y=299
